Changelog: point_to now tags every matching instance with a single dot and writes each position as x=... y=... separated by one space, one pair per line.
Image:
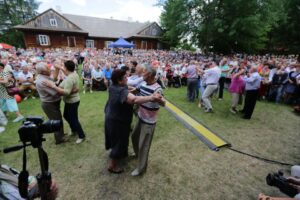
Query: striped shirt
x=148 y=111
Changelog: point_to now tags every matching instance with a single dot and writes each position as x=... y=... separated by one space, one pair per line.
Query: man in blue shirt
x=107 y=71
x=252 y=80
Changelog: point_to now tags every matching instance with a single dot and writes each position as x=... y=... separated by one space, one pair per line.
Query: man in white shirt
x=26 y=82
x=211 y=78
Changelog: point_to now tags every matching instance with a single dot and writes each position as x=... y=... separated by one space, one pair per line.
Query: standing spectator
x=3 y=121
x=277 y=85
x=192 y=81
x=143 y=132
x=252 y=80
x=211 y=78
x=224 y=70
x=291 y=87
x=71 y=99
x=8 y=102
x=50 y=99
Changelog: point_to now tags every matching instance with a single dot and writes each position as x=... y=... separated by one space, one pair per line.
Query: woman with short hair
x=118 y=118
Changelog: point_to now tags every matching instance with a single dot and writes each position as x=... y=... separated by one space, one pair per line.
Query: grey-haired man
x=50 y=99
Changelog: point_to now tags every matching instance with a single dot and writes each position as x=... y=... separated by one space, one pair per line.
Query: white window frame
x=90 y=43
x=53 y=22
x=44 y=40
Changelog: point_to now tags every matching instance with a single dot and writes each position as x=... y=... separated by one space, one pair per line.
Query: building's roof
x=93 y=26
x=113 y=28
x=49 y=29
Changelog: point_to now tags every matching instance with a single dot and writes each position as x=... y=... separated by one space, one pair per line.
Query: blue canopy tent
x=121 y=43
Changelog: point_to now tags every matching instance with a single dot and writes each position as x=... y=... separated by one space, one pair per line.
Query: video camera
x=31 y=134
x=279 y=181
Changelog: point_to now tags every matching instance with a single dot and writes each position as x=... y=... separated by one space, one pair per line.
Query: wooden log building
x=51 y=29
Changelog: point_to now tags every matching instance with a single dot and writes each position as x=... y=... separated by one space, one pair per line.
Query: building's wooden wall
x=57 y=40
x=43 y=21
x=60 y=40
x=151 y=43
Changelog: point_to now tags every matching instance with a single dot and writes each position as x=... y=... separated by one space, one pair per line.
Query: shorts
x=9 y=105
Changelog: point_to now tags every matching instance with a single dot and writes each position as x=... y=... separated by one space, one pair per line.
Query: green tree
x=12 y=13
x=224 y=26
x=174 y=21
x=286 y=36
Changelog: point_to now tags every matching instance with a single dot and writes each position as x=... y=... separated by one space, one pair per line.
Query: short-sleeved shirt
x=46 y=94
x=148 y=111
x=107 y=73
x=71 y=82
x=25 y=77
x=117 y=107
x=224 y=68
x=97 y=74
x=3 y=91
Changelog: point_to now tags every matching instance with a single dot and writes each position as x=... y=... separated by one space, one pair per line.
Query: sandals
x=115 y=170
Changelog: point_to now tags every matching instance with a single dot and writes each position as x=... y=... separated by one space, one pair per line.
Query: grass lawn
x=180 y=166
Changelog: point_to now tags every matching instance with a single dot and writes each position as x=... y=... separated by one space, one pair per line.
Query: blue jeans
x=71 y=116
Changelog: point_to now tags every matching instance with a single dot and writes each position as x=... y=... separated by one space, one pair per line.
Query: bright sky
x=135 y=10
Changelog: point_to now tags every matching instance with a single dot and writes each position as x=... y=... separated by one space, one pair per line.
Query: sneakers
x=2 y=129
x=209 y=110
x=91 y=91
x=83 y=92
x=79 y=140
x=135 y=172
x=232 y=110
x=220 y=99
x=33 y=97
x=25 y=98
x=18 y=118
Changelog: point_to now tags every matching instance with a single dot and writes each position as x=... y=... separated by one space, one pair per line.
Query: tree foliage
x=12 y=13
x=227 y=26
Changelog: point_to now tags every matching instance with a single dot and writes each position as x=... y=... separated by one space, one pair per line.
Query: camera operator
x=9 y=186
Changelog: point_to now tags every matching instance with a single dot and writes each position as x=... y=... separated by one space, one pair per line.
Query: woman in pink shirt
x=236 y=88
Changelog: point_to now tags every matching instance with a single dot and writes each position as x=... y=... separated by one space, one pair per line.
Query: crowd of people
x=135 y=82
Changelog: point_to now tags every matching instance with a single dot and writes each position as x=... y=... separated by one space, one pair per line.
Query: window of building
x=89 y=43
x=144 y=44
x=44 y=40
x=71 y=41
x=53 y=22
x=107 y=43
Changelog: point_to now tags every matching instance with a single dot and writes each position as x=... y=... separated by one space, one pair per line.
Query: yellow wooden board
x=202 y=130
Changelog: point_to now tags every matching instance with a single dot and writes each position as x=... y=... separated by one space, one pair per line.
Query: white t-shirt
x=24 y=77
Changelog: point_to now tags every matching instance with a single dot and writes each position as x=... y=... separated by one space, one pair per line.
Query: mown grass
x=180 y=166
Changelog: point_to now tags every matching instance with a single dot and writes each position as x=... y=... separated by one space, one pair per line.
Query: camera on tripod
x=279 y=181
x=31 y=134
x=34 y=127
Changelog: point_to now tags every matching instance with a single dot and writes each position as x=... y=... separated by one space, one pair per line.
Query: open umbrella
x=5 y=46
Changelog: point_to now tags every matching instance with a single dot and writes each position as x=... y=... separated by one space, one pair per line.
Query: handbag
x=11 y=91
